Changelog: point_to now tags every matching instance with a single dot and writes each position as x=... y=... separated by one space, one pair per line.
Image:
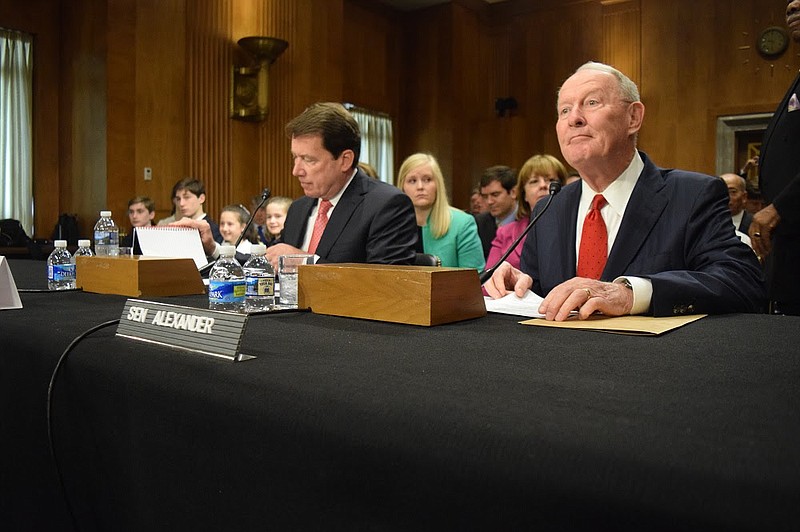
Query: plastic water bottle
x=60 y=269
x=226 y=284
x=260 y=279
x=106 y=236
x=84 y=249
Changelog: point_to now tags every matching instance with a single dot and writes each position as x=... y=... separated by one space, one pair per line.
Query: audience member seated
x=190 y=195
x=498 y=189
x=232 y=221
x=173 y=200
x=630 y=238
x=476 y=203
x=141 y=211
x=737 y=200
x=533 y=184
x=448 y=233
x=277 y=209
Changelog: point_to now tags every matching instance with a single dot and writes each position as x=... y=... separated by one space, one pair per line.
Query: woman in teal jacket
x=448 y=233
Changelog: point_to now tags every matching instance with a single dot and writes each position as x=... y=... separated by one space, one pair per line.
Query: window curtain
x=16 y=138
x=377 y=144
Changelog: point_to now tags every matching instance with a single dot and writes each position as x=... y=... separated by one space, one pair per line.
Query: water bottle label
x=61 y=272
x=261 y=286
x=226 y=291
x=100 y=237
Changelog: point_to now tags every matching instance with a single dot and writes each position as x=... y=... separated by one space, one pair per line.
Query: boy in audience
x=190 y=195
x=141 y=211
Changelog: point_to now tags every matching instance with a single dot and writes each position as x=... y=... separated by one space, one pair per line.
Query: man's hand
x=273 y=252
x=209 y=245
x=505 y=279
x=764 y=223
x=587 y=296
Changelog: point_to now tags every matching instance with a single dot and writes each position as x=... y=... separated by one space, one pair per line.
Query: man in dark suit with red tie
x=775 y=229
x=345 y=216
x=629 y=238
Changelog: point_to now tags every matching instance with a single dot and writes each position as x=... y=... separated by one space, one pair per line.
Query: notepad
x=174 y=242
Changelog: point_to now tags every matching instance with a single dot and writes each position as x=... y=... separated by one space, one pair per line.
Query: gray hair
x=627 y=88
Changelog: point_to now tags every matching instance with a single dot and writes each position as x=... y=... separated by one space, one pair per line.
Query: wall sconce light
x=249 y=85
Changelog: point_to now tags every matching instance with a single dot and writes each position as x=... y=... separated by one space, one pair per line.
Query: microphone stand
x=265 y=194
x=555 y=188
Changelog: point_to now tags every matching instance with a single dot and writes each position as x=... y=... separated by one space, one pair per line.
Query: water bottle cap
x=60 y=243
x=84 y=243
x=258 y=249
x=227 y=250
x=105 y=214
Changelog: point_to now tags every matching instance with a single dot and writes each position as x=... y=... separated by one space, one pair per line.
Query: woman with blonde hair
x=448 y=233
x=533 y=184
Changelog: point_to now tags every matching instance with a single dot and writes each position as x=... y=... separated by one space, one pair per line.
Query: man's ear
x=202 y=198
x=346 y=158
x=635 y=116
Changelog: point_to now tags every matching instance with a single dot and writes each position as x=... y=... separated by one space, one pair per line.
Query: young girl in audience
x=277 y=208
x=232 y=221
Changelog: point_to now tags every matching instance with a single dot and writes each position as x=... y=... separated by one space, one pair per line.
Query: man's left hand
x=764 y=222
x=587 y=296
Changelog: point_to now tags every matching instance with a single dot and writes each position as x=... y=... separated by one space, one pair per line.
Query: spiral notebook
x=168 y=241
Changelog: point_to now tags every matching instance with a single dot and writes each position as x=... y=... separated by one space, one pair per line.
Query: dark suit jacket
x=676 y=231
x=779 y=181
x=373 y=222
x=487 y=229
x=747 y=219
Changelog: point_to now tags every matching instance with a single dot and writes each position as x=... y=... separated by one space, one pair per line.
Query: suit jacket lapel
x=644 y=209
x=567 y=218
x=345 y=207
x=296 y=221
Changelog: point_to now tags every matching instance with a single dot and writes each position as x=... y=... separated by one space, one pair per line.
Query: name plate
x=209 y=332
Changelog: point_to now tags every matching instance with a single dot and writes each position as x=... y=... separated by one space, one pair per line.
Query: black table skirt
x=343 y=424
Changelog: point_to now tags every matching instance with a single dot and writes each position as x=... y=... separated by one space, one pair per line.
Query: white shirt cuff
x=642 y=293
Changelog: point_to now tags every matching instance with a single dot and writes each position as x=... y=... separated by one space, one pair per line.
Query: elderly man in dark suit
x=345 y=216
x=737 y=199
x=630 y=238
x=775 y=230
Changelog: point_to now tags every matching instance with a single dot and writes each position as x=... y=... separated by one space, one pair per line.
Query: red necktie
x=319 y=225
x=594 y=242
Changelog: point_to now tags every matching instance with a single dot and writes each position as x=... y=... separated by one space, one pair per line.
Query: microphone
x=555 y=188
x=265 y=194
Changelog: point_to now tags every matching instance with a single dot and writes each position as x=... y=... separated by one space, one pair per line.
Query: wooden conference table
x=345 y=424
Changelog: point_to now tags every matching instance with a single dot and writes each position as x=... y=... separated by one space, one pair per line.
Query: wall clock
x=772 y=42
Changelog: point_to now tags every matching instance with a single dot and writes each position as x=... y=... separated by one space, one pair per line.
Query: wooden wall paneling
x=161 y=88
x=661 y=77
x=371 y=58
x=372 y=79
x=83 y=150
x=622 y=37
x=246 y=20
x=208 y=61
x=275 y=162
x=121 y=118
x=463 y=172
x=426 y=97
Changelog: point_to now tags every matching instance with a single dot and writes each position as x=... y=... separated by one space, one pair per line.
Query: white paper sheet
x=527 y=306
x=9 y=297
x=168 y=241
